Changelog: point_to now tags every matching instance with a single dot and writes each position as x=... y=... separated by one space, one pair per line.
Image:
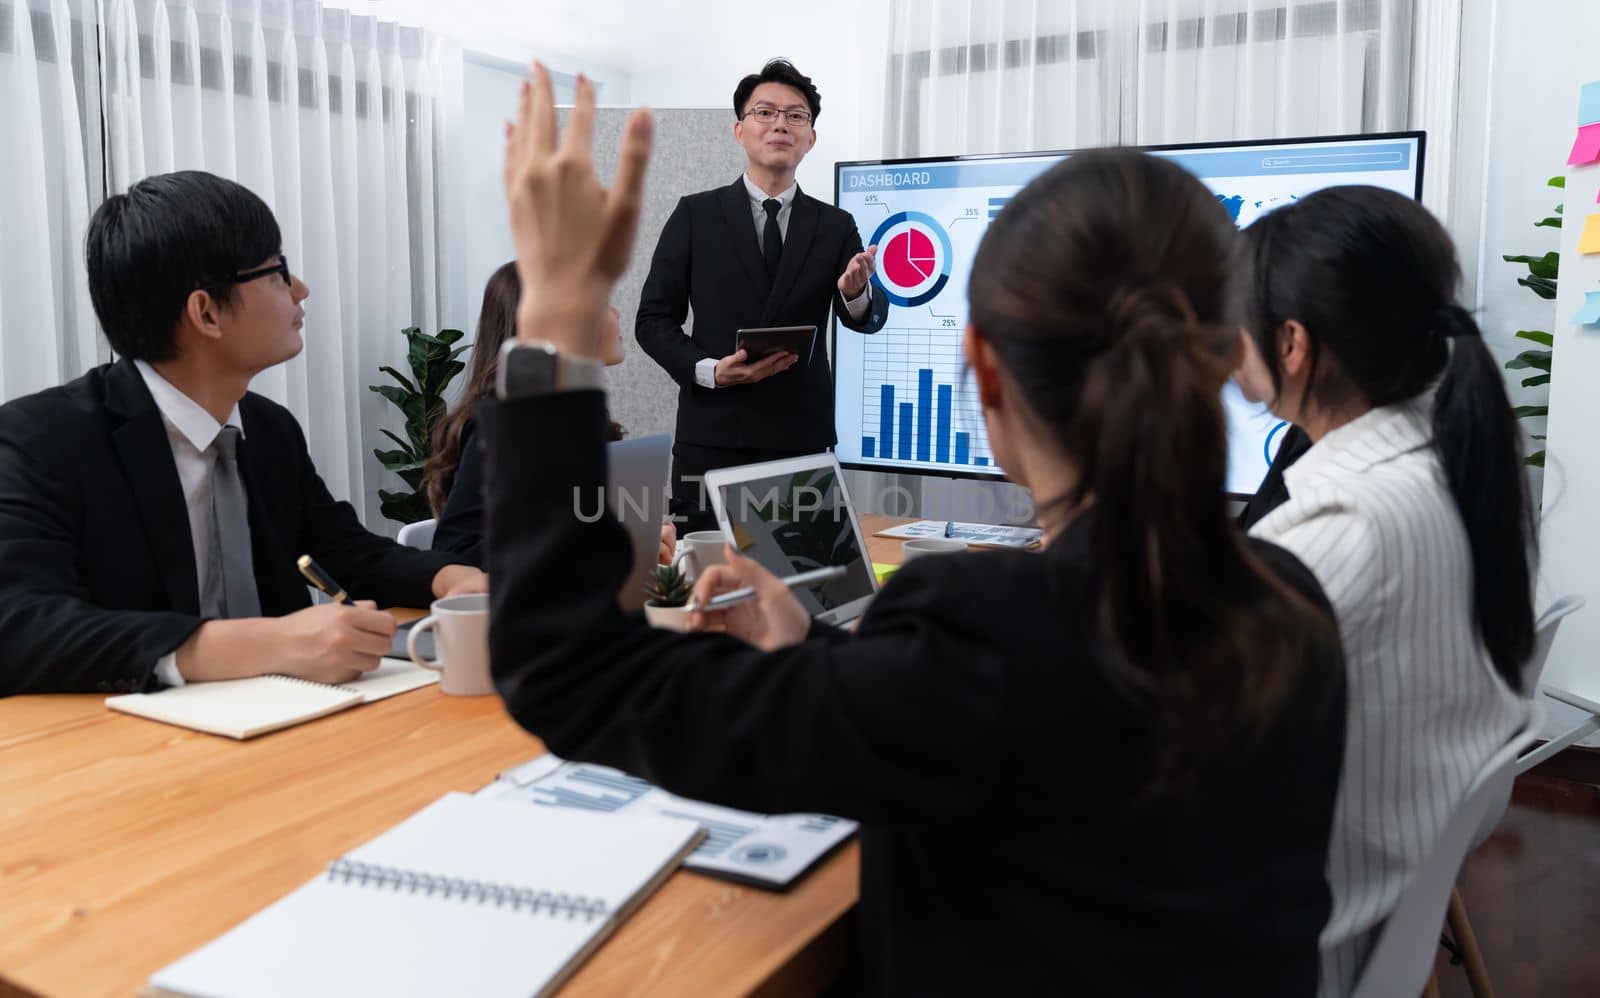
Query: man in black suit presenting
x=152 y=511
x=759 y=252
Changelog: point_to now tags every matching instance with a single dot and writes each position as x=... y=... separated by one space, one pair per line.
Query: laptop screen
x=795 y=522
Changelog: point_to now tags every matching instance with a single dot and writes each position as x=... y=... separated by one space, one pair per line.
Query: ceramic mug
x=700 y=550
x=461 y=638
x=917 y=547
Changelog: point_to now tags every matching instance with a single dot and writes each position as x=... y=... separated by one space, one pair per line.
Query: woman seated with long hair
x=1410 y=507
x=453 y=478
x=1112 y=761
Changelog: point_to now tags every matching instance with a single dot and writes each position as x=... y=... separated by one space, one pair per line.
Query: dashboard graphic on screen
x=902 y=398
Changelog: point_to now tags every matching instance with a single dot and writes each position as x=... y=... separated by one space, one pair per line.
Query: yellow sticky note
x=1589 y=242
x=883 y=571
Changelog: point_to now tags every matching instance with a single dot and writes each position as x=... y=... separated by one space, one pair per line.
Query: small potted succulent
x=666 y=598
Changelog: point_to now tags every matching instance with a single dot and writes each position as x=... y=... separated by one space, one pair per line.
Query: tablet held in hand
x=766 y=341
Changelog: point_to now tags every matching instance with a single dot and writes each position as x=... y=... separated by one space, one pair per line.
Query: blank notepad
x=467 y=897
x=244 y=708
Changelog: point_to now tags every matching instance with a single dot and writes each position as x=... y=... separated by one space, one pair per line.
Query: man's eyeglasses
x=281 y=268
x=768 y=115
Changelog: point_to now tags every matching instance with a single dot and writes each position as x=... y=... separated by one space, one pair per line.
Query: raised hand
x=573 y=237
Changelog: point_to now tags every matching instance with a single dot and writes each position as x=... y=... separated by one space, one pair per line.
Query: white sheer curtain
x=331 y=119
x=47 y=328
x=974 y=76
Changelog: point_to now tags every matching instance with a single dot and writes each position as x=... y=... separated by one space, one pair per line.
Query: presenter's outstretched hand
x=857 y=273
x=734 y=370
x=573 y=237
x=774 y=619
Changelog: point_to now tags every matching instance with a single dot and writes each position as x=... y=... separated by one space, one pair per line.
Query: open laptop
x=793 y=516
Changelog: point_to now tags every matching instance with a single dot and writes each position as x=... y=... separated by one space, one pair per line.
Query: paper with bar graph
x=767 y=850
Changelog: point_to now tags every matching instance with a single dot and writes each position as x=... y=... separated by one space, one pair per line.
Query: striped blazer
x=1370 y=513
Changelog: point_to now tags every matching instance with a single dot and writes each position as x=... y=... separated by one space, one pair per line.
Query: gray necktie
x=232 y=592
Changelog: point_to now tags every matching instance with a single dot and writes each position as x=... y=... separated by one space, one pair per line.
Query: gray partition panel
x=694 y=151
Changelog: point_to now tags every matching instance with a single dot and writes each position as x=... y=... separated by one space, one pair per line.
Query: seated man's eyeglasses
x=768 y=115
x=281 y=268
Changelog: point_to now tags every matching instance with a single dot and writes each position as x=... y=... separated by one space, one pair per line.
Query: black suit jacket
x=970 y=725
x=97 y=574
x=708 y=259
x=460 y=528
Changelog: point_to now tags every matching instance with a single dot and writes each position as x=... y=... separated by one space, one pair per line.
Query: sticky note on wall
x=1589 y=103
x=1586 y=148
x=1589 y=242
x=1589 y=314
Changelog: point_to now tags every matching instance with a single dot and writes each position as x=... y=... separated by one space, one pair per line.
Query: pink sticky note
x=1586 y=149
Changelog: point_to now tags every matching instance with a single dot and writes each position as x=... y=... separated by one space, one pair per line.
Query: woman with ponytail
x=1112 y=761
x=1410 y=507
x=453 y=477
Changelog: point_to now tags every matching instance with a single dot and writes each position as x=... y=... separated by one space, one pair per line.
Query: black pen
x=317 y=576
x=947 y=525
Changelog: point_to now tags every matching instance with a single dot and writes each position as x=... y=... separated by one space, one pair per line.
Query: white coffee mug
x=916 y=547
x=461 y=638
x=700 y=550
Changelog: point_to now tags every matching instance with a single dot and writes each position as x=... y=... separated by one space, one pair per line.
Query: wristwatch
x=536 y=368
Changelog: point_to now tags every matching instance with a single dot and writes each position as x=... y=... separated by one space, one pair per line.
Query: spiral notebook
x=466 y=897
x=245 y=708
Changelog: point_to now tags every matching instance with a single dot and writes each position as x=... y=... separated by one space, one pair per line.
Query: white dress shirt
x=1370 y=513
x=705 y=372
x=191 y=432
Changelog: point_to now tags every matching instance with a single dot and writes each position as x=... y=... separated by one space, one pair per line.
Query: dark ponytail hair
x=1103 y=288
x=1372 y=276
x=497 y=322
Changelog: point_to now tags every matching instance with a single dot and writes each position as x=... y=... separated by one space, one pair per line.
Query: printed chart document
x=466 y=897
x=983 y=535
x=245 y=708
x=765 y=850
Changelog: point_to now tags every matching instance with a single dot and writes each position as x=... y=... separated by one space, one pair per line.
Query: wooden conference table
x=125 y=844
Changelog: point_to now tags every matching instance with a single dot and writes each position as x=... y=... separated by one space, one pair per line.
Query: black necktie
x=771 y=238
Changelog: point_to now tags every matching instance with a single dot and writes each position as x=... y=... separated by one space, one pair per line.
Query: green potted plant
x=433 y=364
x=1543 y=272
x=666 y=594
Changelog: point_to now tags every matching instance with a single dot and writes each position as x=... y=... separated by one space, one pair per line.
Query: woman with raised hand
x=1411 y=509
x=1113 y=760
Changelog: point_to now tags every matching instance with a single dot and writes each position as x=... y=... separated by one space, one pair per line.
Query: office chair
x=1462 y=942
x=1545 y=635
x=419 y=534
x=1401 y=962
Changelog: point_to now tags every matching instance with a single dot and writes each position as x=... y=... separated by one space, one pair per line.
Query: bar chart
x=917 y=404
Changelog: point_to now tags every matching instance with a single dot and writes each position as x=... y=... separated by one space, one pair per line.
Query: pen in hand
x=317 y=576
x=734 y=597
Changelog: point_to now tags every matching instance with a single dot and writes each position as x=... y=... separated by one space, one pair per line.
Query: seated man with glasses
x=152 y=511
x=756 y=253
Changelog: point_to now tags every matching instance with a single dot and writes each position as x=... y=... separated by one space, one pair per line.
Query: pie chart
x=909 y=258
x=913 y=258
